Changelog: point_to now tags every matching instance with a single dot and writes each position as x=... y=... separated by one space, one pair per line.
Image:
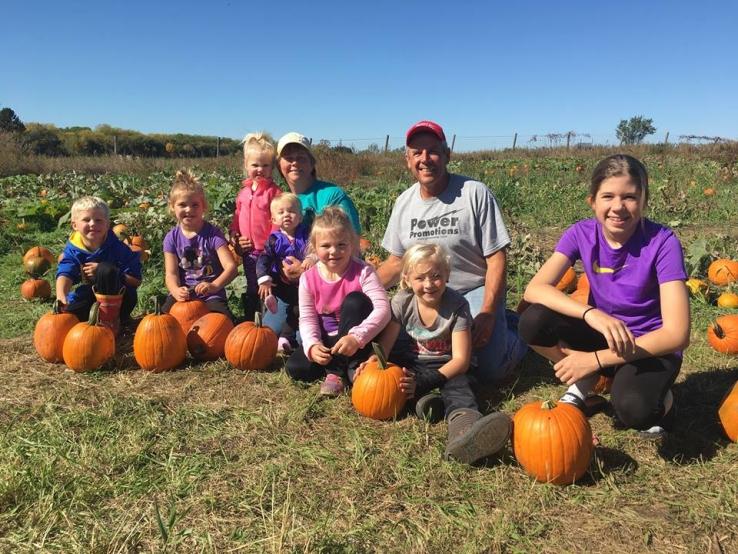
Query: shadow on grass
x=606 y=462
x=533 y=371
x=697 y=434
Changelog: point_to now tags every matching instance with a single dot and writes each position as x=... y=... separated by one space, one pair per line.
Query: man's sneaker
x=430 y=408
x=332 y=385
x=472 y=437
x=592 y=405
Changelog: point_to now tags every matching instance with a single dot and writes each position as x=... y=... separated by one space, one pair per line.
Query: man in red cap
x=462 y=215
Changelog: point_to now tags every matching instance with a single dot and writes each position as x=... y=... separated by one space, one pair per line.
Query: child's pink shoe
x=331 y=386
x=271 y=303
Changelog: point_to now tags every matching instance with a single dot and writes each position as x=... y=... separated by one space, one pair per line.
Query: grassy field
x=211 y=459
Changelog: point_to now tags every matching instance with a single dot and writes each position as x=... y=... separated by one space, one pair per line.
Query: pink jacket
x=320 y=296
x=252 y=217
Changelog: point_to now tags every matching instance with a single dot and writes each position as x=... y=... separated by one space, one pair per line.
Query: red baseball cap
x=425 y=126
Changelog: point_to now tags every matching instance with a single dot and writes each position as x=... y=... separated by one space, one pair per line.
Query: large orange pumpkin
x=188 y=312
x=207 y=336
x=50 y=332
x=376 y=392
x=581 y=294
x=723 y=272
x=159 y=343
x=728 y=413
x=568 y=281
x=553 y=442
x=37 y=266
x=35 y=288
x=722 y=334
x=39 y=252
x=250 y=346
x=88 y=345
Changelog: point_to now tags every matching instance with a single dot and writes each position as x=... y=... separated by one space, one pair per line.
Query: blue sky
x=358 y=71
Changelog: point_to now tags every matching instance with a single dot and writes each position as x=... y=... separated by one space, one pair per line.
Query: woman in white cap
x=296 y=164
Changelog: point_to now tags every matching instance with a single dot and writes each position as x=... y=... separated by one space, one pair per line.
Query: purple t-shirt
x=624 y=282
x=198 y=258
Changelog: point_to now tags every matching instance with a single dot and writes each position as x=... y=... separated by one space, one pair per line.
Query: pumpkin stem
x=548 y=405
x=719 y=333
x=257 y=319
x=380 y=355
x=157 y=305
x=94 y=314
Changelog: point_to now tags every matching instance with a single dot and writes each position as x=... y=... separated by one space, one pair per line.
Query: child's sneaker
x=661 y=429
x=594 y=404
x=270 y=302
x=430 y=408
x=332 y=385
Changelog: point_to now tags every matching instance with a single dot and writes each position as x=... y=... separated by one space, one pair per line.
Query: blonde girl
x=197 y=261
x=430 y=337
x=343 y=306
x=636 y=320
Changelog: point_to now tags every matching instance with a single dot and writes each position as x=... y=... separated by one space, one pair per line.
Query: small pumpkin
x=552 y=441
x=39 y=252
x=121 y=231
x=188 y=312
x=37 y=266
x=88 y=345
x=159 y=343
x=568 y=281
x=728 y=300
x=373 y=260
x=139 y=241
x=35 y=288
x=207 y=336
x=376 y=392
x=251 y=346
x=709 y=191
x=722 y=334
x=143 y=255
x=728 y=413
x=723 y=272
x=50 y=331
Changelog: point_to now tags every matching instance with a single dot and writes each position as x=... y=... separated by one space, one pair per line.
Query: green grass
x=212 y=459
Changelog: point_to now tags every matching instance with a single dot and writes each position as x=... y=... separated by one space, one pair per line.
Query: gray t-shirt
x=464 y=218
x=433 y=342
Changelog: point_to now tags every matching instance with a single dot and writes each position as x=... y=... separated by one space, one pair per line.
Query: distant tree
x=10 y=122
x=43 y=140
x=634 y=130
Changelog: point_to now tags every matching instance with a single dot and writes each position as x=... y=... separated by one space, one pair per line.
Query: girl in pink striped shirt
x=343 y=306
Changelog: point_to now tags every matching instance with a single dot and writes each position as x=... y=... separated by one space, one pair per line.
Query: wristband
x=598 y=359
x=586 y=312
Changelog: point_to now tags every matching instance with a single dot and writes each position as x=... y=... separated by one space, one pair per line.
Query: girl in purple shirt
x=636 y=322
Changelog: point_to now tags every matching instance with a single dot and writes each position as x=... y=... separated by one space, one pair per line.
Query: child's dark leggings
x=108 y=280
x=356 y=308
x=217 y=304
x=638 y=387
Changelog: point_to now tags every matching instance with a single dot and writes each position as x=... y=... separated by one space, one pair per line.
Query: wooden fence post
x=217 y=147
x=568 y=139
x=386 y=144
x=115 y=145
x=666 y=138
x=453 y=141
x=515 y=139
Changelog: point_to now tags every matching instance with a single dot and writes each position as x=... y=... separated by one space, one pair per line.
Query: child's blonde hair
x=334 y=220
x=186 y=183
x=89 y=203
x=260 y=141
x=424 y=253
x=286 y=198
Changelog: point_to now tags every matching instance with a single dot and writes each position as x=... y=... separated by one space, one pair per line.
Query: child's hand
x=205 y=288
x=575 y=365
x=265 y=289
x=346 y=345
x=362 y=365
x=246 y=244
x=407 y=383
x=292 y=268
x=320 y=354
x=307 y=263
x=181 y=294
x=620 y=339
x=89 y=270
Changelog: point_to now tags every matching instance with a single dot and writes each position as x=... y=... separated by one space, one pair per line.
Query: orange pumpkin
x=728 y=413
x=251 y=346
x=364 y=244
x=207 y=336
x=50 y=332
x=709 y=191
x=188 y=312
x=39 y=252
x=581 y=294
x=88 y=345
x=374 y=261
x=553 y=442
x=143 y=255
x=35 y=288
x=723 y=272
x=159 y=343
x=376 y=392
x=139 y=241
x=722 y=334
x=121 y=231
x=37 y=266
x=728 y=300
x=568 y=281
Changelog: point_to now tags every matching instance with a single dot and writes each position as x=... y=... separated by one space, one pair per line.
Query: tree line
x=49 y=140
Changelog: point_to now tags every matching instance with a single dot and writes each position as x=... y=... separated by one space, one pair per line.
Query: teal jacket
x=320 y=196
